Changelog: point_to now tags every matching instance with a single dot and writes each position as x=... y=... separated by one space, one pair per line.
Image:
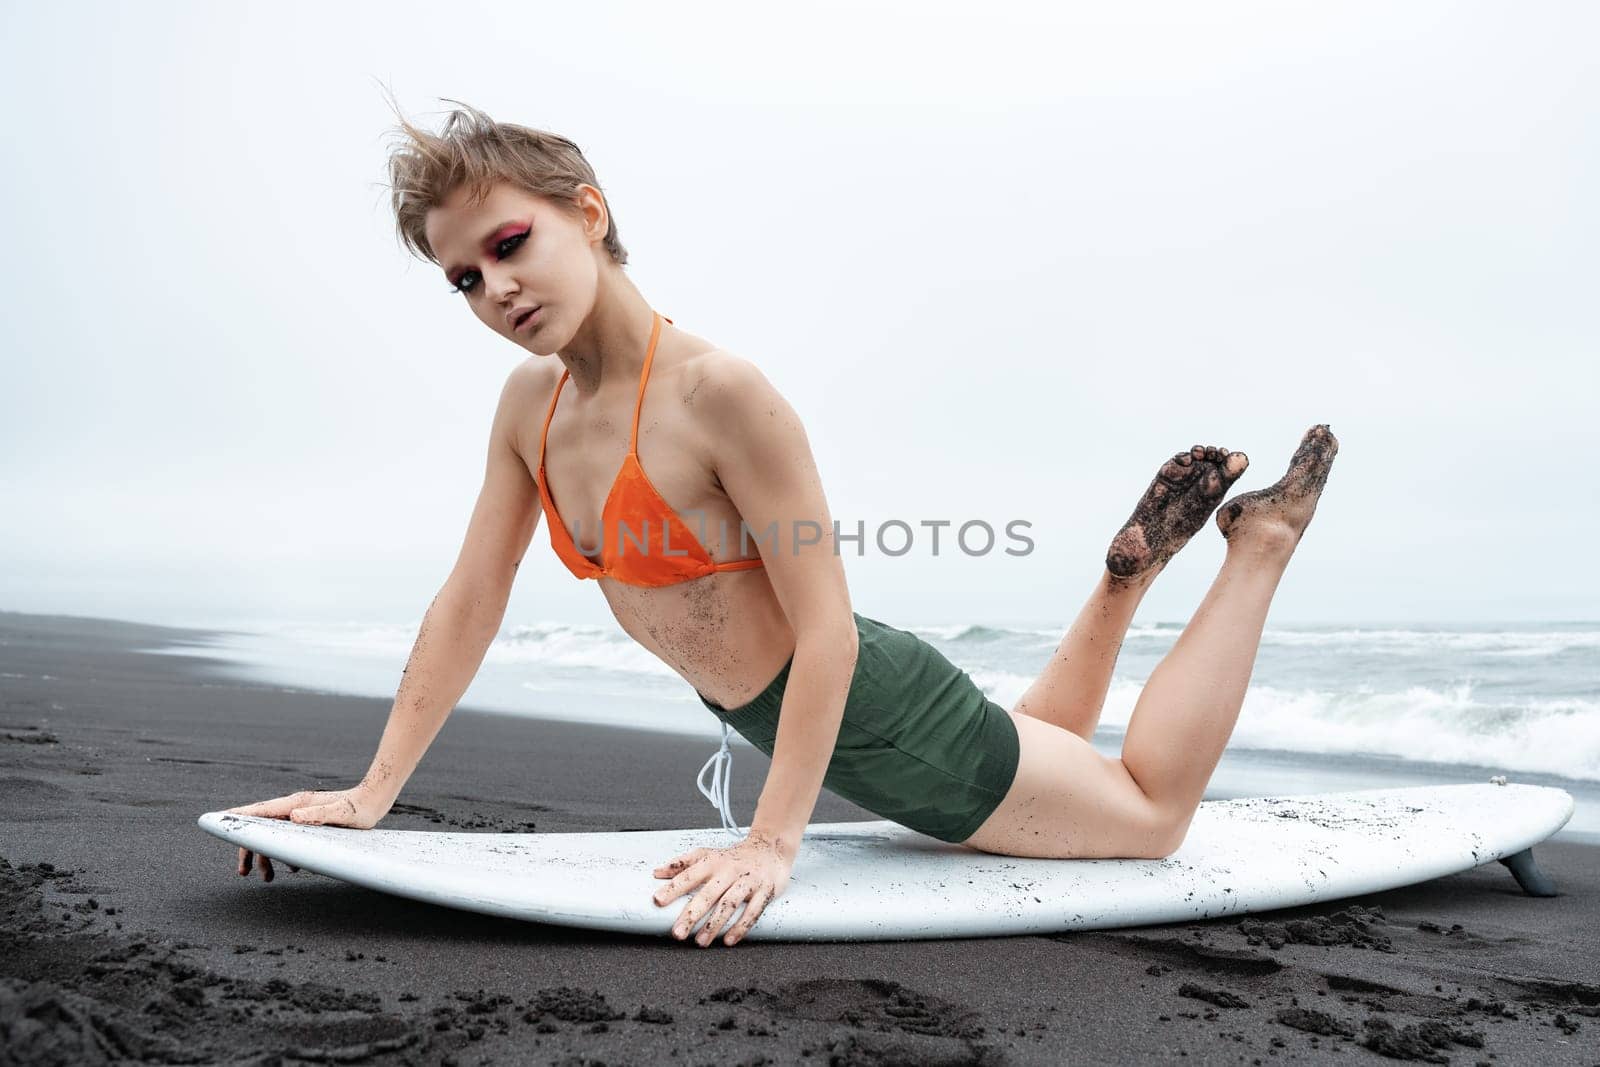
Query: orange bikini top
x=642 y=540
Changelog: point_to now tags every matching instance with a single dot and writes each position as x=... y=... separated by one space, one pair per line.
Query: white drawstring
x=721 y=767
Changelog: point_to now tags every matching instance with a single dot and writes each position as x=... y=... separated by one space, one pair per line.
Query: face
x=514 y=251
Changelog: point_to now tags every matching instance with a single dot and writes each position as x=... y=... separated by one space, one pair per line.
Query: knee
x=1158 y=833
x=1169 y=835
x=1155 y=830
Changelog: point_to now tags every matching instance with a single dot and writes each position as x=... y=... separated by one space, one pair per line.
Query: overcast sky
x=1002 y=260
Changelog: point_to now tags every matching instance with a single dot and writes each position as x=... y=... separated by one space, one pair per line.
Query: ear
x=592 y=208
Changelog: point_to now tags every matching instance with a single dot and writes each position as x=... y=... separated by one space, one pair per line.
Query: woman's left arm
x=764 y=462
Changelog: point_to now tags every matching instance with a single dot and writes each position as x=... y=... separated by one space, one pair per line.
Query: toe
x=1235 y=465
x=1317 y=448
x=1176 y=471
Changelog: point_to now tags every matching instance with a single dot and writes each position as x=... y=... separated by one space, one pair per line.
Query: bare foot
x=1282 y=511
x=1186 y=490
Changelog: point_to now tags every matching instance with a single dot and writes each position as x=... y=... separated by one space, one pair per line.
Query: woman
x=676 y=476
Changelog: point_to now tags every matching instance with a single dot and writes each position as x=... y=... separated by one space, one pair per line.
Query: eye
x=502 y=249
x=512 y=243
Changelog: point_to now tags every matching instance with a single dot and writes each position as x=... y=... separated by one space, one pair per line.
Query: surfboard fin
x=1533 y=881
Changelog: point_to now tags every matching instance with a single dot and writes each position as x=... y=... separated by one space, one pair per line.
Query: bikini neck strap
x=644 y=376
x=638 y=405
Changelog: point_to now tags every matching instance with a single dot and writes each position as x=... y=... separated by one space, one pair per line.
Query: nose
x=500 y=285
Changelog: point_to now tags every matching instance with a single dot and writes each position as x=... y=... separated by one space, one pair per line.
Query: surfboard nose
x=1542 y=805
x=218 y=822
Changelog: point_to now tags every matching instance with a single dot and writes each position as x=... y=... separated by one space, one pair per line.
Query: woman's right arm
x=455 y=633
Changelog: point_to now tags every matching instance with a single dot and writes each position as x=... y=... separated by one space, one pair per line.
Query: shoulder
x=530 y=380
x=738 y=413
x=525 y=397
x=726 y=387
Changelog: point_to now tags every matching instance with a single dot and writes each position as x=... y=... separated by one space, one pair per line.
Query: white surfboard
x=880 y=881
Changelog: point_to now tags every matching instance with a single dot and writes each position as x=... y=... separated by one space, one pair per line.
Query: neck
x=610 y=345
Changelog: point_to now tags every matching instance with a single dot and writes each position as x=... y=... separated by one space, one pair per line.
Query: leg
x=1071 y=691
x=1069 y=801
x=1189 y=706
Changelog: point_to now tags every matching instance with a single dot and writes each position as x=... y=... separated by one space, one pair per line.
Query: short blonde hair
x=475 y=151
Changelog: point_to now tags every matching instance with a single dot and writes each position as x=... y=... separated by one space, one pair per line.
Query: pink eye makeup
x=502 y=243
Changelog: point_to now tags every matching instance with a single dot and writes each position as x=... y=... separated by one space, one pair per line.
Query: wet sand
x=125 y=934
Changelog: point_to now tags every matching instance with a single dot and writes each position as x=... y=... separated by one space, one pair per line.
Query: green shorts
x=920 y=744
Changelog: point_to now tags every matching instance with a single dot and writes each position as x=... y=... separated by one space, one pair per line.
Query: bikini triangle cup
x=636 y=488
x=633 y=502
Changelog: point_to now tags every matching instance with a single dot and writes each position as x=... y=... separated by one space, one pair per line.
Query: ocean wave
x=1002 y=687
x=1385 y=641
x=544 y=644
x=975 y=633
x=1429 y=725
x=574 y=645
x=1539 y=719
x=1470 y=720
x=353 y=638
x=1416 y=642
x=1418 y=723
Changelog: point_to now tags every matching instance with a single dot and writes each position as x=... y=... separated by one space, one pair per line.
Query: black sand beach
x=127 y=935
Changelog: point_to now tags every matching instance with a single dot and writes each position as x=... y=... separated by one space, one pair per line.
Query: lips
x=520 y=318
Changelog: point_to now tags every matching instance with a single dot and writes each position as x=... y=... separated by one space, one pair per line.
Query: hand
x=753 y=872
x=344 y=807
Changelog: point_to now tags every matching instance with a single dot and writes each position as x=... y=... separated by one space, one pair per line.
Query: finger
x=244 y=861
x=736 y=895
x=317 y=815
x=672 y=867
x=752 y=912
x=266 y=868
x=720 y=915
x=683 y=883
x=276 y=808
x=689 y=859
x=702 y=902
